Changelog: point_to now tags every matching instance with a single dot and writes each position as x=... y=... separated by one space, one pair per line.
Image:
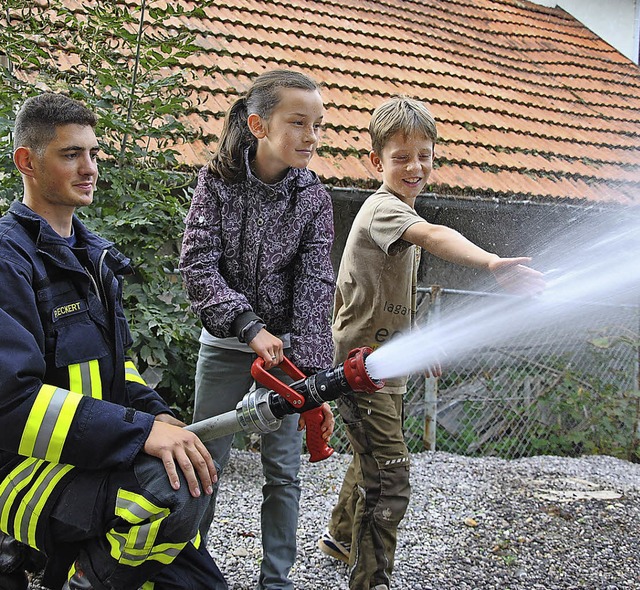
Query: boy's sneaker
x=335 y=549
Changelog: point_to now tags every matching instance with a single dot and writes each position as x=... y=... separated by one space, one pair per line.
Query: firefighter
x=95 y=471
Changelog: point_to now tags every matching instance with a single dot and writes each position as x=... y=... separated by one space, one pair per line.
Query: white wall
x=616 y=21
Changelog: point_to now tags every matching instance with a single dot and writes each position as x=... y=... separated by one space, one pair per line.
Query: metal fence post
x=431 y=383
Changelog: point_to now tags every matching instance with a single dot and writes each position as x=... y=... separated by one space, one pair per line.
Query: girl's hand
x=268 y=347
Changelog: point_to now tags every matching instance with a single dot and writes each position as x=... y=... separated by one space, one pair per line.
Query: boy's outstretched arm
x=444 y=242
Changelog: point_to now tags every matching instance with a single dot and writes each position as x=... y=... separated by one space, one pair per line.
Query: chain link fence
x=568 y=389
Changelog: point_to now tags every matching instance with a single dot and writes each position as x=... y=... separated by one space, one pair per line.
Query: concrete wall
x=615 y=21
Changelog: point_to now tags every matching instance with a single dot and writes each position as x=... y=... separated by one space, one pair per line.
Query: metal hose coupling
x=254 y=413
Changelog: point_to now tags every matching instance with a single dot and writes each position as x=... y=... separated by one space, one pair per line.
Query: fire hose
x=261 y=410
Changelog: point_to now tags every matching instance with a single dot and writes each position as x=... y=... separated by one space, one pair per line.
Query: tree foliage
x=116 y=60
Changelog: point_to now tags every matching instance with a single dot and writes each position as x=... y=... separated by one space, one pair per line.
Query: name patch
x=69 y=309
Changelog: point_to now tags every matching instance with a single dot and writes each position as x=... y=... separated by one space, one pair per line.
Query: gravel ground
x=542 y=523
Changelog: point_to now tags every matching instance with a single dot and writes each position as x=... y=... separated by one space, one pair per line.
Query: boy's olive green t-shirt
x=376 y=285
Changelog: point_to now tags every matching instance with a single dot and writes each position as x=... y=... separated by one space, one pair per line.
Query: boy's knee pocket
x=394 y=496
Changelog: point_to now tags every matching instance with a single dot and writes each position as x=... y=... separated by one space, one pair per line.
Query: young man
x=378 y=274
x=95 y=472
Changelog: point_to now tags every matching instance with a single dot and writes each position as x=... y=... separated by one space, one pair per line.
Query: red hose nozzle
x=356 y=374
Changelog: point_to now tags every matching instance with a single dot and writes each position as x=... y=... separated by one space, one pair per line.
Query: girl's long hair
x=261 y=99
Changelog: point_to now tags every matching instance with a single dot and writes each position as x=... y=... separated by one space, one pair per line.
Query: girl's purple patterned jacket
x=264 y=248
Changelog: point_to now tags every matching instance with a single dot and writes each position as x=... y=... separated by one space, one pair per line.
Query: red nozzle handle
x=318 y=448
x=262 y=376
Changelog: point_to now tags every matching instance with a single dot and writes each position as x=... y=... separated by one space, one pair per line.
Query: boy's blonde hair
x=404 y=114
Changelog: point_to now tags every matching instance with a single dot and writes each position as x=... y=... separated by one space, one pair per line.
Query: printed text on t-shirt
x=395 y=309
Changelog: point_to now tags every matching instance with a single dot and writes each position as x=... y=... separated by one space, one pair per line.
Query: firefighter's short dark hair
x=39 y=116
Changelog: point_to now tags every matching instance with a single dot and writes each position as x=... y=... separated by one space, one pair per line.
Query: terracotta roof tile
x=529 y=102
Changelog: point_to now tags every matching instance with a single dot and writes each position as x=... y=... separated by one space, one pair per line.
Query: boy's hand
x=328 y=422
x=435 y=370
x=513 y=276
x=179 y=448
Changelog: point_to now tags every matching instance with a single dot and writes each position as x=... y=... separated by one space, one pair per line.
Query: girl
x=256 y=265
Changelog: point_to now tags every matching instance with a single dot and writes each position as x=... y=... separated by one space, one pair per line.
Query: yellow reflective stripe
x=96 y=379
x=85 y=378
x=12 y=485
x=166 y=552
x=63 y=424
x=136 y=545
x=31 y=505
x=48 y=423
x=124 y=551
x=135 y=508
x=196 y=540
x=148 y=586
x=36 y=416
x=72 y=571
x=131 y=373
x=75 y=378
x=38 y=478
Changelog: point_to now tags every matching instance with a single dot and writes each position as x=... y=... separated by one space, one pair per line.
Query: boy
x=378 y=273
x=95 y=471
